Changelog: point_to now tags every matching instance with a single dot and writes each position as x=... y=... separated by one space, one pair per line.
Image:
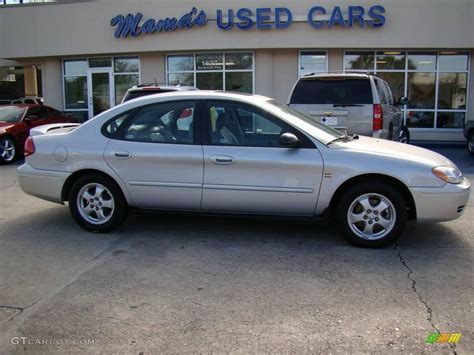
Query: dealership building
x=82 y=56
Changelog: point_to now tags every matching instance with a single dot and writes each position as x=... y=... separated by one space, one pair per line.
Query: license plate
x=330 y=121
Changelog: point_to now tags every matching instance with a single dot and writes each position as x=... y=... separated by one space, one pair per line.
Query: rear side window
x=332 y=91
x=135 y=94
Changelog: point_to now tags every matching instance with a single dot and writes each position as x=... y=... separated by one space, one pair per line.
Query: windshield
x=321 y=132
x=11 y=114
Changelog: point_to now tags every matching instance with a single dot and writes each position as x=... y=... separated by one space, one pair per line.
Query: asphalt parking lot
x=179 y=283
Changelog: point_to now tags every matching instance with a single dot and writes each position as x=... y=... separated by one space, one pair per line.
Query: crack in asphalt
x=19 y=309
x=425 y=303
x=8 y=186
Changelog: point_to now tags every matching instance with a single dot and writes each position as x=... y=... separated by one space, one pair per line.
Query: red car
x=16 y=122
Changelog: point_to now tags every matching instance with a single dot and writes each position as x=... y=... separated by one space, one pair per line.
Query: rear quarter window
x=332 y=91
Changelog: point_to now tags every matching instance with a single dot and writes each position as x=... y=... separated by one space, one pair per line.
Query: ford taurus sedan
x=240 y=154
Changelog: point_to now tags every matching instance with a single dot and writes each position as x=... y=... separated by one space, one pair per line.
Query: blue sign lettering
x=130 y=25
x=246 y=19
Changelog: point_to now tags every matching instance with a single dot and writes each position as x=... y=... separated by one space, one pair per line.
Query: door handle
x=222 y=160
x=122 y=155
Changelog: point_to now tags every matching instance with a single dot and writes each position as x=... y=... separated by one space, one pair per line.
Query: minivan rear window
x=332 y=91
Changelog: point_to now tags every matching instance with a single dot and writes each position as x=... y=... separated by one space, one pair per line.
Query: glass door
x=100 y=89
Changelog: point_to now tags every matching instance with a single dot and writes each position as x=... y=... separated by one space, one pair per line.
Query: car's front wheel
x=7 y=150
x=470 y=143
x=97 y=203
x=371 y=214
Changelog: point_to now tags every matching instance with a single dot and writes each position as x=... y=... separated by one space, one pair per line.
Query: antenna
x=156 y=83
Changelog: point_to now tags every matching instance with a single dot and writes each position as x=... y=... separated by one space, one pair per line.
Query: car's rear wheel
x=97 y=203
x=404 y=135
x=371 y=214
x=470 y=143
x=7 y=150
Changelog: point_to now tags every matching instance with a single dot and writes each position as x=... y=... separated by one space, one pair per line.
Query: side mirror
x=288 y=140
x=403 y=101
x=31 y=118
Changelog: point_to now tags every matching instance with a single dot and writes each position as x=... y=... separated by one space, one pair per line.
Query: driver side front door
x=245 y=169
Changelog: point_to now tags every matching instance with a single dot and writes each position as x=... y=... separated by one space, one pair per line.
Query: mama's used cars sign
x=318 y=17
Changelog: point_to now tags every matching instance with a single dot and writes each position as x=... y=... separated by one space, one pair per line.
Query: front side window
x=238 y=124
x=171 y=122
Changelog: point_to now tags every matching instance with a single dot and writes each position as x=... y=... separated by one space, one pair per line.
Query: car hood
x=402 y=151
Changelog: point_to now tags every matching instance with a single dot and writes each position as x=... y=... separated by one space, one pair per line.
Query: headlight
x=448 y=174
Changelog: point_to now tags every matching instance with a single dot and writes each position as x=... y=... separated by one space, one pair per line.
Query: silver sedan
x=240 y=154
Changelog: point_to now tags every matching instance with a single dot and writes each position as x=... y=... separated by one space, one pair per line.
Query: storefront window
x=422 y=61
x=122 y=83
x=435 y=83
x=452 y=91
x=422 y=90
x=390 y=60
x=453 y=61
x=126 y=65
x=359 y=60
x=100 y=63
x=312 y=62
x=75 y=88
x=212 y=71
x=209 y=81
x=75 y=67
x=450 y=119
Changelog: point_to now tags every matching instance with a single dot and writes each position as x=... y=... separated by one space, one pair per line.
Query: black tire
x=7 y=157
x=404 y=135
x=115 y=216
x=470 y=143
x=378 y=190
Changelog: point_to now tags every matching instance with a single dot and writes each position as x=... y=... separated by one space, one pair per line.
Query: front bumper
x=43 y=184
x=438 y=204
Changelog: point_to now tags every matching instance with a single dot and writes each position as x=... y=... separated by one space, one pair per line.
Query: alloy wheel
x=95 y=203
x=371 y=216
x=7 y=149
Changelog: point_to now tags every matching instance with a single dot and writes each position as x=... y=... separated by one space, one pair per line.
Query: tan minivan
x=357 y=103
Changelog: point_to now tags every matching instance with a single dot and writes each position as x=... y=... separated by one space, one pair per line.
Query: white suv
x=357 y=103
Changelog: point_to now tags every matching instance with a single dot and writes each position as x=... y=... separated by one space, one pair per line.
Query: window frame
x=206 y=131
x=437 y=71
x=132 y=113
x=224 y=70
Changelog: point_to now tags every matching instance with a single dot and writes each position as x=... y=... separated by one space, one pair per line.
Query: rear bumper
x=43 y=184
x=438 y=204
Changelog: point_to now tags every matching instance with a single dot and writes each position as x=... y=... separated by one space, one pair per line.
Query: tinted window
x=332 y=91
x=170 y=122
x=40 y=112
x=135 y=94
x=29 y=101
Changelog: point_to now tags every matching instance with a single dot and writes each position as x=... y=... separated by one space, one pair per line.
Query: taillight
x=378 y=117
x=29 y=147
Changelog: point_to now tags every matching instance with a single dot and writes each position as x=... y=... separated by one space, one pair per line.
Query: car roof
x=25 y=105
x=336 y=75
x=197 y=94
